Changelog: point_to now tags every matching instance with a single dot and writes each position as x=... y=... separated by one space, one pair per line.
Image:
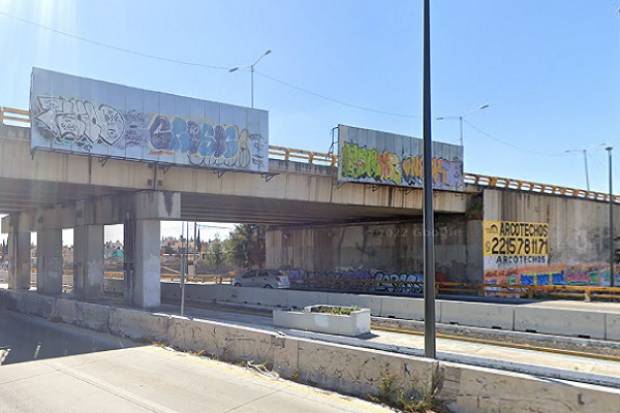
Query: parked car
x=263 y=279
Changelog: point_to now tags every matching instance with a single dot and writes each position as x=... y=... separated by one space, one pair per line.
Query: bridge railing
x=528 y=186
x=21 y=117
x=10 y=116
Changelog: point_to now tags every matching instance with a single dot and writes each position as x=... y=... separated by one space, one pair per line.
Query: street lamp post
x=612 y=252
x=585 y=163
x=428 y=214
x=251 y=67
x=460 y=118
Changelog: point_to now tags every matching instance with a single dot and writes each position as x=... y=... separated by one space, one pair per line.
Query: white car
x=262 y=279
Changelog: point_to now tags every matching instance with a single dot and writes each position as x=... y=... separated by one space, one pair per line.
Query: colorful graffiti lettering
x=596 y=274
x=369 y=165
x=358 y=162
x=69 y=121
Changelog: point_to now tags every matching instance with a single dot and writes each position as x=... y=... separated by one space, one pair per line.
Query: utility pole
x=612 y=250
x=429 y=224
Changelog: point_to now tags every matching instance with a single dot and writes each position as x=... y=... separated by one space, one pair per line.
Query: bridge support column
x=19 y=260
x=142 y=263
x=49 y=261
x=142 y=244
x=88 y=262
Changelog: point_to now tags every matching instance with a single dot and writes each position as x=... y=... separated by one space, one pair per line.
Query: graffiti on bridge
x=363 y=163
x=360 y=280
x=71 y=121
x=596 y=274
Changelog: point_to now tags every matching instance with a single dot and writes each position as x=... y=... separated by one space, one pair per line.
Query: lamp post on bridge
x=251 y=67
x=460 y=118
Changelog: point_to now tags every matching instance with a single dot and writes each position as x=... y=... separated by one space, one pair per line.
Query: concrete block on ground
x=358 y=300
x=285 y=358
x=243 y=295
x=35 y=304
x=612 y=326
x=138 y=325
x=193 y=335
x=245 y=344
x=92 y=316
x=172 y=291
x=469 y=389
x=64 y=310
x=406 y=307
x=562 y=322
x=477 y=314
x=224 y=292
x=200 y=292
x=358 y=371
x=271 y=297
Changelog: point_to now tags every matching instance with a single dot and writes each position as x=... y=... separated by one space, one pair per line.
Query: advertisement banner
x=369 y=156
x=91 y=117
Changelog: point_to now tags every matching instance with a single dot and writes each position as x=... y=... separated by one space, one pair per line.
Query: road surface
x=59 y=368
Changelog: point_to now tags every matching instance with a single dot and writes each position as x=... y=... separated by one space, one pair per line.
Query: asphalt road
x=54 y=367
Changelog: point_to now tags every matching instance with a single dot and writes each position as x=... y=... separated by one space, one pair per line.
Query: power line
x=202 y=65
x=331 y=99
x=113 y=47
x=488 y=135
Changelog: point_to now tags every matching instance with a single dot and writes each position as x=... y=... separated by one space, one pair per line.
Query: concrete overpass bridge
x=298 y=197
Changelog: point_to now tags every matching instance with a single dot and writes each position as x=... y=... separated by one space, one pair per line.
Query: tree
x=247 y=245
x=216 y=255
x=198 y=242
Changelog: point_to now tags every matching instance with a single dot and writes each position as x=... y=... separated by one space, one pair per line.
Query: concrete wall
x=393 y=248
x=578 y=231
x=356 y=371
x=578 y=242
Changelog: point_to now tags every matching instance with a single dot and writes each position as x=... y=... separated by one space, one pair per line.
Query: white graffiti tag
x=68 y=120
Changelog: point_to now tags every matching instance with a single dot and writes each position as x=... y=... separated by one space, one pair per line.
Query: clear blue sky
x=549 y=69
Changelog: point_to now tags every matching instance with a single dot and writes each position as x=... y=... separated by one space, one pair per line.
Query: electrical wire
x=519 y=148
x=113 y=47
x=205 y=66
x=331 y=99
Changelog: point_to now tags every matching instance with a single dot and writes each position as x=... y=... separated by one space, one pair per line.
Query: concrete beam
x=105 y=210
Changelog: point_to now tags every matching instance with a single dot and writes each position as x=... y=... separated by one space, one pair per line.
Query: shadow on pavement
x=25 y=338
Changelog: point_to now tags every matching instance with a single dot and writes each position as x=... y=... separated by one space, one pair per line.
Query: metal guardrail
x=21 y=117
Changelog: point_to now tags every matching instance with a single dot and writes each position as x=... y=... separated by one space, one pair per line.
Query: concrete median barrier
x=138 y=325
x=612 y=327
x=588 y=324
x=477 y=314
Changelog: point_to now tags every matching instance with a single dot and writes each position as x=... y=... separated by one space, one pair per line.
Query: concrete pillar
x=88 y=262
x=19 y=258
x=142 y=263
x=49 y=261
